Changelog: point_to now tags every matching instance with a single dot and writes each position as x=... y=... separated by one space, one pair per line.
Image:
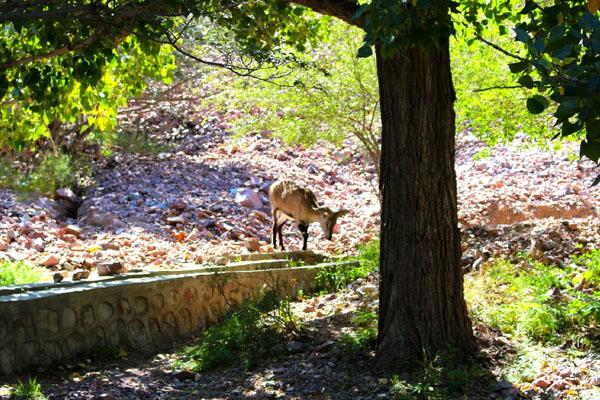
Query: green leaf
x=526 y=81
x=536 y=104
x=563 y=52
x=522 y=36
x=365 y=51
x=360 y=11
x=518 y=66
x=566 y=110
x=592 y=129
x=591 y=150
x=529 y=6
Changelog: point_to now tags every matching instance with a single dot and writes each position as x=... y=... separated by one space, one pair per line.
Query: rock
x=248 y=198
x=209 y=223
x=367 y=290
x=252 y=244
x=502 y=385
x=65 y=194
x=110 y=246
x=11 y=235
x=49 y=260
x=595 y=380
x=260 y=215
x=295 y=347
x=176 y=220
x=3 y=245
x=73 y=230
x=80 y=274
x=58 y=277
x=547 y=245
x=103 y=220
x=38 y=244
x=110 y=268
x=541 y=383
x=559 y=385
x=179 y=205
x=184 y=374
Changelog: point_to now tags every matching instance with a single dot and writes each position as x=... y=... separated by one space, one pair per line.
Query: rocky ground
x=207 y=197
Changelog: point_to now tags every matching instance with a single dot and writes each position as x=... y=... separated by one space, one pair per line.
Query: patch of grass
x=138 y=143
x=438 y=378
x=254 y=332
x=334 y=278
x=364 y=334
x=16 y=273
x=30 y=390
x=541 y=303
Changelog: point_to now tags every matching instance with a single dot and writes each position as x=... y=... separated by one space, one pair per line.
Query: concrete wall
x=57 y=324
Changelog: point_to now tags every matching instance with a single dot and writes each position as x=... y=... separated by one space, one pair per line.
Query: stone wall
x=55 y=325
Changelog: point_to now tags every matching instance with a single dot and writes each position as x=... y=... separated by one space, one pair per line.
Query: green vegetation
x=495 y=115
x=439 y=378
x=331 y=279
x=339 y=97
x=30 y=390
x=137 y=143
x=45 y=174
x=254 y=332
x=15 y=273
x=363 y=335
x=335 y=98
x=540 y=303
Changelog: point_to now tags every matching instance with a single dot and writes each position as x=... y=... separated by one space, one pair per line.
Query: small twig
x=500 y=49
x=497 y=87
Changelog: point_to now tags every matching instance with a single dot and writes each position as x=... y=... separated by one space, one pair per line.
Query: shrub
x=15 y=273
x=331 y=279
x=254 y=332
x=50 y=172
x=546 y=304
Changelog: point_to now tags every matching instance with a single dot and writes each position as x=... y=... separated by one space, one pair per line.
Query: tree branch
x=497 y=87
x=500 y=49
x=342 y=9
x=55 y=53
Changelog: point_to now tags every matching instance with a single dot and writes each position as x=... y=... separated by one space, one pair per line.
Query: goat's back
x=291 y=198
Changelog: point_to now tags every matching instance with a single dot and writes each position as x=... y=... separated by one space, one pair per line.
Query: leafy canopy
x=88 y=39
x=62 y=60
x=560 y=43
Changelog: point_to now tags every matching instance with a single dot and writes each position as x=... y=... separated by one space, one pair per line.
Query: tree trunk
x=422 y=307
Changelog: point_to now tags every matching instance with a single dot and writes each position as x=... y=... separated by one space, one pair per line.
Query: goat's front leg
x=304 y=229
x=274 y=214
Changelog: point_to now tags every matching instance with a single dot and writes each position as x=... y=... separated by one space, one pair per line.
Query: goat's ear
x=341 y=213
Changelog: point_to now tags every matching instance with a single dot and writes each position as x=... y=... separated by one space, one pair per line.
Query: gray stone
x=295 y=347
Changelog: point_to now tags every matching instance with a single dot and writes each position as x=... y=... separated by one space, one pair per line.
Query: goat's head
x=328 y=219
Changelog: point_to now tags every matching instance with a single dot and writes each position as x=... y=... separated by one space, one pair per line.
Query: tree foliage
x=560 y=59
x=78 y=61
x=63 y=59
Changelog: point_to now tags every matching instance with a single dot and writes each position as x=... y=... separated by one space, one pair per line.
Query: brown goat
x=290 y=202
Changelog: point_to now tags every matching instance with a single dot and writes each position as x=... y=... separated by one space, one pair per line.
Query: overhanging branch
x=342 y=9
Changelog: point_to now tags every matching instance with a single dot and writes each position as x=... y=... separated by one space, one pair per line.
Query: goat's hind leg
x=279 y=228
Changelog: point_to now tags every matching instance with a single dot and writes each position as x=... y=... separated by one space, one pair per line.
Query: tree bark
x=422 y=306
